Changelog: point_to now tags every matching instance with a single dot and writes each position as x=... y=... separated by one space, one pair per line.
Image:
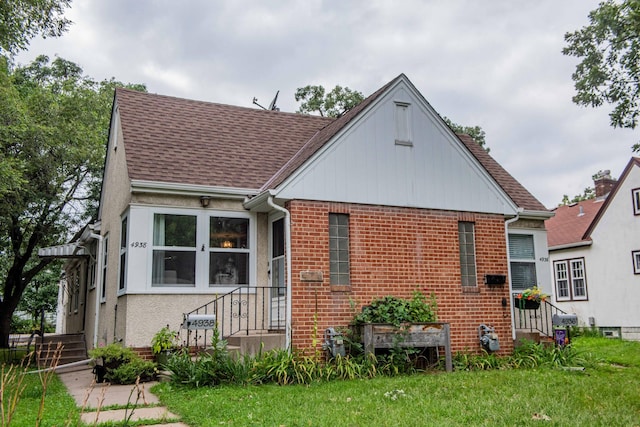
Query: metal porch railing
x=536 y=320
x=243 y=311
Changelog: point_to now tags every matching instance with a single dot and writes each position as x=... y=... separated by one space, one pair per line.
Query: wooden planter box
x=418 y=335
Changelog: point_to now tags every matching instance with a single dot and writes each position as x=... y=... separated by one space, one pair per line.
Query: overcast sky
x=497 y=64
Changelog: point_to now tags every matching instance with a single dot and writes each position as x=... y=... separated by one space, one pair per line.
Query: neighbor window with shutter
x=523 y=261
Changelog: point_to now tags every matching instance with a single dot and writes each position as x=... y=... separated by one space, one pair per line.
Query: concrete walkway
x=91 y=397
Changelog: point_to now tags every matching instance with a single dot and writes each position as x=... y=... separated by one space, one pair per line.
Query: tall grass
x=539 y=391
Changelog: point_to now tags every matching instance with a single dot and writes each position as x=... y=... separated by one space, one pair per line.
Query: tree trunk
x=5 y=325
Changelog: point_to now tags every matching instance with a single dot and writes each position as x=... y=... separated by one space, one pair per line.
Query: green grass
x=59 y=407
x=605 y=394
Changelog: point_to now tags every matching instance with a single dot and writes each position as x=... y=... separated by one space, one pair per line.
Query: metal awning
x=70 y=250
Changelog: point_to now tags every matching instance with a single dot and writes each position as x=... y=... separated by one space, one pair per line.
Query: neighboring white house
x=594 y=249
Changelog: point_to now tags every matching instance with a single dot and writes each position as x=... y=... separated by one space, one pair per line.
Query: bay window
x=200 y=249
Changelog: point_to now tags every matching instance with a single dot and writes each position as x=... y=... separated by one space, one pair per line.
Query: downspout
x=98 y=288
x=287 y=237
x=506 y=236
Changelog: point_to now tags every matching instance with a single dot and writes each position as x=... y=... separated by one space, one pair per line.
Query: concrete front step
x=72 y=348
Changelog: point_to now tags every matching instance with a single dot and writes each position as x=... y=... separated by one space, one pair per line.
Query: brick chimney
x=603 y=182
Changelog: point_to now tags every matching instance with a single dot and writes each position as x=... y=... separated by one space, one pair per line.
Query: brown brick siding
x=394 y=251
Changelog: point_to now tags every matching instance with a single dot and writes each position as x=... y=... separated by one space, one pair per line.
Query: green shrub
x=122 y=364
x=129 y=372
x=396 y=311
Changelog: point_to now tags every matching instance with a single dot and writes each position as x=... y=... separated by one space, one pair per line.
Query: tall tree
x=333 y=104
x=475 y=132
x=53 y=130
x=609 y=71
x=22 y=20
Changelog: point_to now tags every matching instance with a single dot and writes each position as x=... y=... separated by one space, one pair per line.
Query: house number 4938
x=138 y=244
x=544 y=259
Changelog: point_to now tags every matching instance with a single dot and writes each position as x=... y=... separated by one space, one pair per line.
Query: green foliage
x=113 y=354
x=396 y=311
x=609 y=52
x=55 y=123
x=129 y=372
x=123 y=365
x=334 y=104
x=589 y=193
x=165 y=339
x=475 y=132
x=22 y=20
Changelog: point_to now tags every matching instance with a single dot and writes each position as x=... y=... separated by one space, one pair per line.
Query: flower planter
x=420 y=335
x=526 y=304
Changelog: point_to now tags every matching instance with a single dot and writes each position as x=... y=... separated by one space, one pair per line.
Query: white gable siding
x=613 y=288
x=365 y=165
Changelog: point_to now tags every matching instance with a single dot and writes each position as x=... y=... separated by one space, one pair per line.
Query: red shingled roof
x=178 y=140
x=570 y=223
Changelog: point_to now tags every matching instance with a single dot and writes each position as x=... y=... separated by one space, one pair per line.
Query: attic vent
x=403 y=124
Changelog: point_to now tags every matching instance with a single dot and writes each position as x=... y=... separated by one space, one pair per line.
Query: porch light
x=204 y=201
x=227 y=244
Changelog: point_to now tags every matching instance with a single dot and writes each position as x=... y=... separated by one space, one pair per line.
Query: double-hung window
x=571 y=280
x=522 y=261
x=635 y=196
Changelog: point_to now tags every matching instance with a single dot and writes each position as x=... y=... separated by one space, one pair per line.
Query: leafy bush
x=122 y=364
x=396 y=311
x=129 y=372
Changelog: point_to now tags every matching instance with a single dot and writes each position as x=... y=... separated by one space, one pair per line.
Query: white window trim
x=571 y=280
x=202 y=250
x=105 y=266
x=533 y=260
x=123 y=251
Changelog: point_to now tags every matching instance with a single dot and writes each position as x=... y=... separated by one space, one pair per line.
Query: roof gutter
x=144 y=186
x=287 y=234
x=571 y=245
x=99 y=284
x=506 y=237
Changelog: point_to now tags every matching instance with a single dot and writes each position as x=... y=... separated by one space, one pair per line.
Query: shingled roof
x=570 y=223
x=182 y=141
x=175 y=140
x=516 y=192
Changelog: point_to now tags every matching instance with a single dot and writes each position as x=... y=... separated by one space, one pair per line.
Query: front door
x=278 y=289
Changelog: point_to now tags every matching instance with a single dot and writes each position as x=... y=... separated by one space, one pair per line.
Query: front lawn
x=605 y=393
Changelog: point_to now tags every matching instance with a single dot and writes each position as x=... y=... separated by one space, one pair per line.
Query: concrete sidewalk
x=92 y=396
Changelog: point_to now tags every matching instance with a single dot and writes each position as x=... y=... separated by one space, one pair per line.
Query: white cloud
x=495 y=64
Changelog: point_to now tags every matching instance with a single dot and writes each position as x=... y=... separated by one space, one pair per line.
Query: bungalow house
x=298 y=221
x=595 y=255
